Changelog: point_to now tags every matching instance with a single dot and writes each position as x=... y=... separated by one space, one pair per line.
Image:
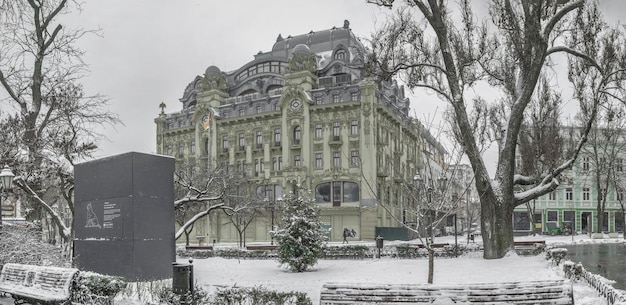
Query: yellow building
x=303 y=113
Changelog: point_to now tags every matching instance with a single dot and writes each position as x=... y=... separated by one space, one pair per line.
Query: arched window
x=337 y=192
x=340 y=55
x=297 y=134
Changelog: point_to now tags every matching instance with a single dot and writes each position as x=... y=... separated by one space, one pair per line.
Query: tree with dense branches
x=49 y=119
x=449 y=52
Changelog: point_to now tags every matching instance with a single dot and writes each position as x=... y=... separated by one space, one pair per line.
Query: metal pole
x=456 y=244
x=1 y=195
x=271 y=235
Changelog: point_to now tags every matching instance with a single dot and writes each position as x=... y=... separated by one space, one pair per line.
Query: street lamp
x=417 y=183
x=6 y=179
x=272 y=206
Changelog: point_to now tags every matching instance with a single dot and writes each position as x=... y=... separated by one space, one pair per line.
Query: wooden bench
x=554 y=292
x=199 y=247
x=435 y=245
x=262 y=247
x=529 y=243
x=37 y=284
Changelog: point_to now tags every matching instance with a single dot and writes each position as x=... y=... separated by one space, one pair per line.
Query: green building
x=303 y=113
x=574 y=204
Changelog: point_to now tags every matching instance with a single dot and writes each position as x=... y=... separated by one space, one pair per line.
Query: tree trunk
x=187 y=238
x=431 y=264
x=496 y=227
x=600 y=218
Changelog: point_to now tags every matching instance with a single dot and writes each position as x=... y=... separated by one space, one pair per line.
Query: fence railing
x=576 y=271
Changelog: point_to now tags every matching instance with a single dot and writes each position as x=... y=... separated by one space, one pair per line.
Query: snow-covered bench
x=37 y=284
x=533 y=292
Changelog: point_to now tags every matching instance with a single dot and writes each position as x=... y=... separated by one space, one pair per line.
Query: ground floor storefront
x=563 y=220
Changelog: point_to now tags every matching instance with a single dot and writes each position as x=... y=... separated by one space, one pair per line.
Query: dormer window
x=340 y=55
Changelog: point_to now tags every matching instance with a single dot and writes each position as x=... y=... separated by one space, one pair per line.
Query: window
x=336 y=98
x=270 y=192
x=258 y=166
x=319 y=100
x=192 y=147
x=296 y=135
x=619 y=167
x=569 y=193
x=619 y=195
x=601 y=194
x=341 y=55
x=586 y=193
x=337 y=192
x=280 y=163
x=585 y=163
x=354 y=127
x=318 y=160
x=602 y=164
x=354 y=158
x=336 y=159
x=180 y=150
x=318 y=131
x=552 y=195
x=336 y=131
x=259 y=139
x=225 y=143
x=552 y=215
x=242 y=141
x=296 y=161
x=275 y=164
x=521 y=221
x=242 y=112
x=354 y=96
x=277 y=137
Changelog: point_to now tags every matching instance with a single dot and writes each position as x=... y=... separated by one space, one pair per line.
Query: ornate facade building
x=304 y=113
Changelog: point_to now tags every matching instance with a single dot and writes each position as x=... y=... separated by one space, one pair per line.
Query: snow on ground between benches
x=470 y=268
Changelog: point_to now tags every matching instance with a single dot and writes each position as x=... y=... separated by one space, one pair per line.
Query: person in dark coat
x=346 y=233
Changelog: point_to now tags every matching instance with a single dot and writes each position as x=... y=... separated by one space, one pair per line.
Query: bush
x=166 y=295
x=22 y=244
x=349 y=251
x=258 y=296
x=556 y=255
x=95 y=288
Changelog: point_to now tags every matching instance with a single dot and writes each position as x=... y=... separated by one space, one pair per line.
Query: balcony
x=335 y=141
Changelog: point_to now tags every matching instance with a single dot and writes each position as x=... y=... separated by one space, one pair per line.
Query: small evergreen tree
x=301 y=239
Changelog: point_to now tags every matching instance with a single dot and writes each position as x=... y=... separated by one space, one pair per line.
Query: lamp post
x=417 y=183
x=6 y=179
x=272 y=205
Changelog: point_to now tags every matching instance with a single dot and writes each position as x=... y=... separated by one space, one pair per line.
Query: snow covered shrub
x=198 y=295
x=95 y=288
x=556 y=255
x=22 y=244
x=258 y=296
x=301 y=240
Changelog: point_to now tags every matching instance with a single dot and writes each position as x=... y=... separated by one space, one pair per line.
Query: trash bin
x=379 y=244
x=181 y=278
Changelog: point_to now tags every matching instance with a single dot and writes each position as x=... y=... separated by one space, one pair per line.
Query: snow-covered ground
x=470 y=268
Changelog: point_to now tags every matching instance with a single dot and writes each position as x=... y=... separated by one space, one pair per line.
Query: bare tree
x=602 y=157
x=449 y=57
x=53 y=122
x=204 y=191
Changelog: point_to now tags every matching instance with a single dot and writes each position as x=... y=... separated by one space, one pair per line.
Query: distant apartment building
x=597 y=178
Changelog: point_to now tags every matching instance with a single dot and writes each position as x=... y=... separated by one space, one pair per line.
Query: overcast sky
x=151 y=49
